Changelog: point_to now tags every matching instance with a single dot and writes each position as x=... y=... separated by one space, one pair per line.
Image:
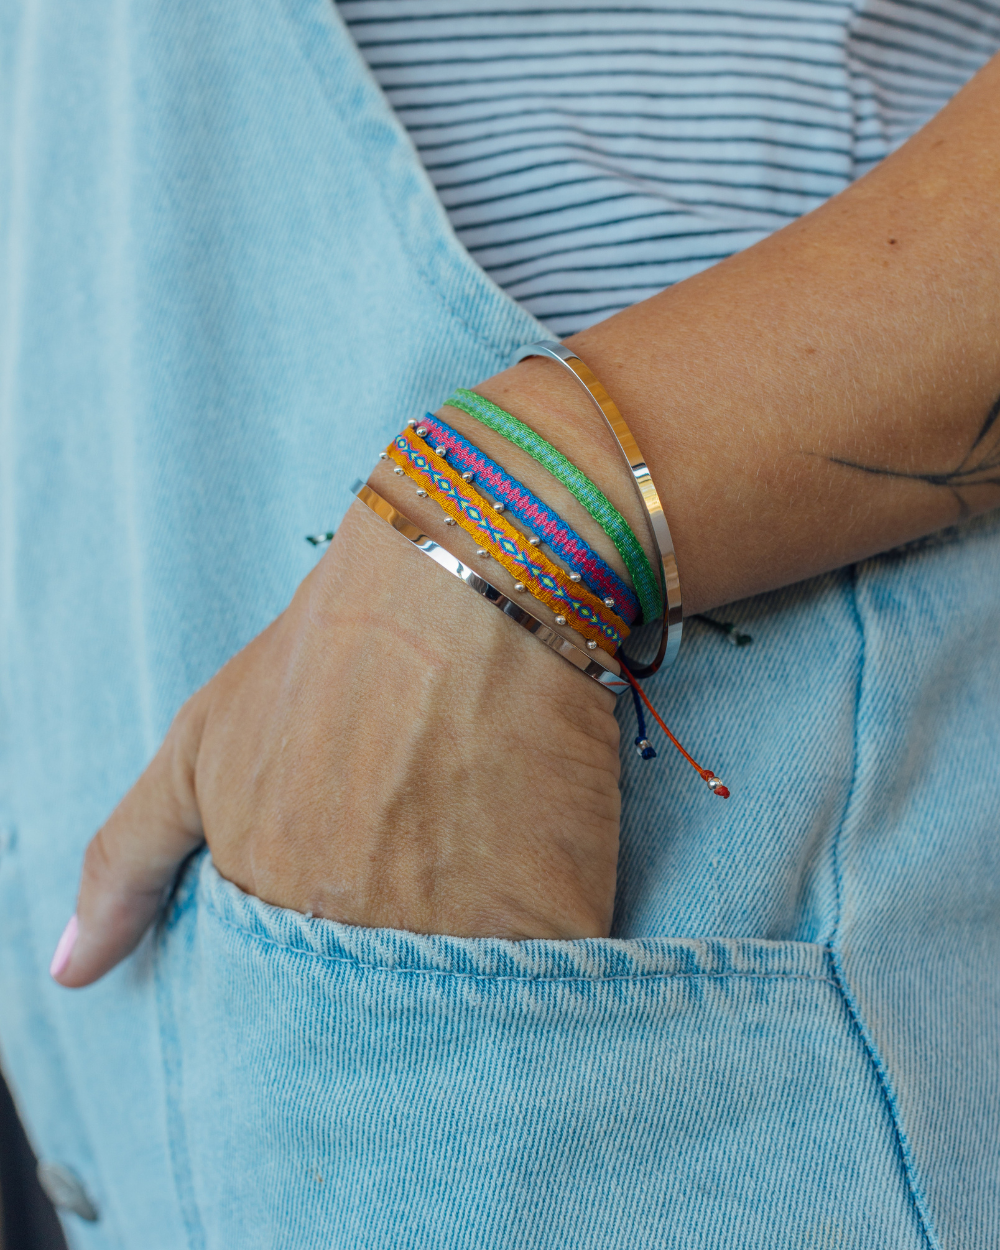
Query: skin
x=827 y=394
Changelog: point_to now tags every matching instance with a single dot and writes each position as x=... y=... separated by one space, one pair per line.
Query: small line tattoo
x=980 y=466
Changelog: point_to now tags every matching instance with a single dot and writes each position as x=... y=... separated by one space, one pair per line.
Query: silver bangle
x=659 y=530
x=598 y=667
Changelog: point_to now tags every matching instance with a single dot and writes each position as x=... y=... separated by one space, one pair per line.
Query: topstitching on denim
x=265 y=940
x=882 y=1077
x=175 y=1127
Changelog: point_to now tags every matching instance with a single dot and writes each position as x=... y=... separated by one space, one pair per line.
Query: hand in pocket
x=391 y=751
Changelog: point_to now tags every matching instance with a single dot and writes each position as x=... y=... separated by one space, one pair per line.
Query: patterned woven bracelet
x=672 y=625
x=532 y=570
x=579 y=485
x=583 y=561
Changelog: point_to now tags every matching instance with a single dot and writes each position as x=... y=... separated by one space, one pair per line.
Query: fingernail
x=65 y=948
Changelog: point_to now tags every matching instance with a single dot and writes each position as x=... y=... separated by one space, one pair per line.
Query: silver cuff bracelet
x=598 y=667
x=659 y=530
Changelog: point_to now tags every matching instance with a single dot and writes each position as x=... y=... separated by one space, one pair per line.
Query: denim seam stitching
x=178 y=1148
x=265 y=939
x=881 y=1074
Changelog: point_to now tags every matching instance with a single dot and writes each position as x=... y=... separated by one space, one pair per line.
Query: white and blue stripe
x=590 y=154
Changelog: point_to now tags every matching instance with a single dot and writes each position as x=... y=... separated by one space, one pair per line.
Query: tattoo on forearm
x=980 y=466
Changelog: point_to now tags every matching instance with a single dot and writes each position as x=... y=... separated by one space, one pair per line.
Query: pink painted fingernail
x=65 y=948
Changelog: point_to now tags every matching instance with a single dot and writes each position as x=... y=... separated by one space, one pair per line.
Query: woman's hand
x=391 y=751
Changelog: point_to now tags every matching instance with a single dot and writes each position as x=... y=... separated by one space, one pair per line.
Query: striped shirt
x=589 y=154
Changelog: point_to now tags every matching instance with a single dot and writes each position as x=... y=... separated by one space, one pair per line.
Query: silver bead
x=412 y=423
x=383 y=455
x=609 y=603
x=498 y=507
x=440 y=451
x=422 y=494
x=422 y=431
x=467 y=477
x=560 y=620
x=482 y=552
x=450 y=520
x=574 y=577
x=533 y=542
x=519 y=586
x=715 y=782
x=591 y=646
x=398 y=471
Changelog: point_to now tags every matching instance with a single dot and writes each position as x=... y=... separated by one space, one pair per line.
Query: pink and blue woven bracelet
x=525 y=507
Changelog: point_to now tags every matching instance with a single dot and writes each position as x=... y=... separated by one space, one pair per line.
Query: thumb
x=133 y=858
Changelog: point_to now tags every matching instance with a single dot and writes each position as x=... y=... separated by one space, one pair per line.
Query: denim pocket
x=334 y=1086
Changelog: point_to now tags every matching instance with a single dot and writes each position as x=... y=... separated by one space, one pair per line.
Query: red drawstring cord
x=705 y=774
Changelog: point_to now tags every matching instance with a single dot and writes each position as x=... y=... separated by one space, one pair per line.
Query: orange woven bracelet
x=531 y=569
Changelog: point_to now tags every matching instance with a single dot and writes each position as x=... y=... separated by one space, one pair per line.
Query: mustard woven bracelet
x=532 y=570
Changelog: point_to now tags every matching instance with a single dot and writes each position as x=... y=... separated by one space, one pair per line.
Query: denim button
x=65 y=1190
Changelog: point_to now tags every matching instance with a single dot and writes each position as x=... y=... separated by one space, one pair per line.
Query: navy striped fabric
x=590 y=154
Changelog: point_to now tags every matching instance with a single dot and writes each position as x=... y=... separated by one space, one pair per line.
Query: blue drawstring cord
x=642 y=745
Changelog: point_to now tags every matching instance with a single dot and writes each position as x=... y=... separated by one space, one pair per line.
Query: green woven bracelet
x=579 y=485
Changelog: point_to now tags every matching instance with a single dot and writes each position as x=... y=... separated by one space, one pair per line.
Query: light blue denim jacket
x=225 y=280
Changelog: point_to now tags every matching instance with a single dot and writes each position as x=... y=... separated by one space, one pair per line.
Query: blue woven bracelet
x=537 y=516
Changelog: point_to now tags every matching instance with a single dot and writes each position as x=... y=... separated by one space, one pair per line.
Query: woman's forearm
x=826 y=394
x=821 y=397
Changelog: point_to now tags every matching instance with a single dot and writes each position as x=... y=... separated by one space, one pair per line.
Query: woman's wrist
x=410 y=497
x=545 y=397
x=491 y=720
